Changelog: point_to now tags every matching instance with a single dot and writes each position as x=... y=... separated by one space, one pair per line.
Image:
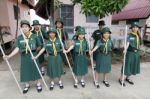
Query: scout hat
x=52 y=30
x=135 y=24
x=106 y=29
x=81 y=30
x=25 y=22
x=77 y=27
x=102 y=22
x=35 y=22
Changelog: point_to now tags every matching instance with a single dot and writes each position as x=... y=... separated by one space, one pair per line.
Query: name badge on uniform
x=97 y=33
x=77 y=44
x=132 y=38
x=22 y=41
x=48 y=44
x=57 y=43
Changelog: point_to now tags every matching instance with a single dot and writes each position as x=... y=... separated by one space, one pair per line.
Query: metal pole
x=125 y=48
x=91 y=57
x=11 y=70
x=34 y=60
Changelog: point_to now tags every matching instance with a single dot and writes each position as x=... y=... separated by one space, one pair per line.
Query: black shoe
x=64 y=72
x=83 y=84
x=96 y=84
x=25 y=90
x=75 y=85
x=51 y=87
x=43 y=73
x=61 y=85
x=106 y=83
x=39 y=88
x=129 y=81
x=120 y=82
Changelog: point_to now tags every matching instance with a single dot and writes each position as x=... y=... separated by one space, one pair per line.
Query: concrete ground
x=141 y=89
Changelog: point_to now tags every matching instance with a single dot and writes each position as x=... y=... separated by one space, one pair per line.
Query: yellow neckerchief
x=81 y=49
x=54 y=47
x=37 y=32
x=105 y=46
x=137 y=39
x=59 y=33
x=27 y=40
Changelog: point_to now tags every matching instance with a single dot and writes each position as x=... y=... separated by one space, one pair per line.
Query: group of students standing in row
x=55 y=48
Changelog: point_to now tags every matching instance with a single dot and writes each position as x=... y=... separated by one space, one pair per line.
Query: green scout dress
x=55 y=63
x=80 y=67
x=28 y=70
x=132 y=63
x=41 y=57
x=103 y=59
x=96 y=36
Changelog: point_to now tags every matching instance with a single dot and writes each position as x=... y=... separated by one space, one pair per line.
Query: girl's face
x=25 y=28
x=135 y=29
x=59 y=25
x=106 y=35
x=36 y=27
x=52 y=35
x=81 y=36
x=101 y=27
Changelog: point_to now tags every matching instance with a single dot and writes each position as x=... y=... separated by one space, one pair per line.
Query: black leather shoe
x=51 y=87
x=96 y=84
x=129 y=81
x=75 y=86
x=106 y=83
x=120 y=82
x=43 y=73
x=25 y=90
x=39 y=88
x=83 y=84
x=61 y=86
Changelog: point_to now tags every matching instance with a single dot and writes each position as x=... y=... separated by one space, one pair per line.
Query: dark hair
x=59 y=22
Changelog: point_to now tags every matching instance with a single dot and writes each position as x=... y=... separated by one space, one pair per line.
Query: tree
x=100 y=8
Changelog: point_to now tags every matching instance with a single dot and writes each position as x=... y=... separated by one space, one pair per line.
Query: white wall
x=80 y=19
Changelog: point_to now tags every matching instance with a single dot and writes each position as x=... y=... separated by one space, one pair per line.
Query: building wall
x=7 y=19
x=80 y=19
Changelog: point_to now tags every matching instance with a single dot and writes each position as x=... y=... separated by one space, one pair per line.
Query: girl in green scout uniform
x=80 y=47
x=28 y=70
x=38 y=33
x=132 y=61
x=55 y=63
x=97 y=35
x=104 y=47
x=62 y=35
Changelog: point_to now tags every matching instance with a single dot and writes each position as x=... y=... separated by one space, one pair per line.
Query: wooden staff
x=125 y=48
x=91 y=57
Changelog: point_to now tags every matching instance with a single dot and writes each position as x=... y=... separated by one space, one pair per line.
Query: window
x=131 y=20
x=66 y=12
x=91 y=19
x=114 y=22
x=16 y=12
